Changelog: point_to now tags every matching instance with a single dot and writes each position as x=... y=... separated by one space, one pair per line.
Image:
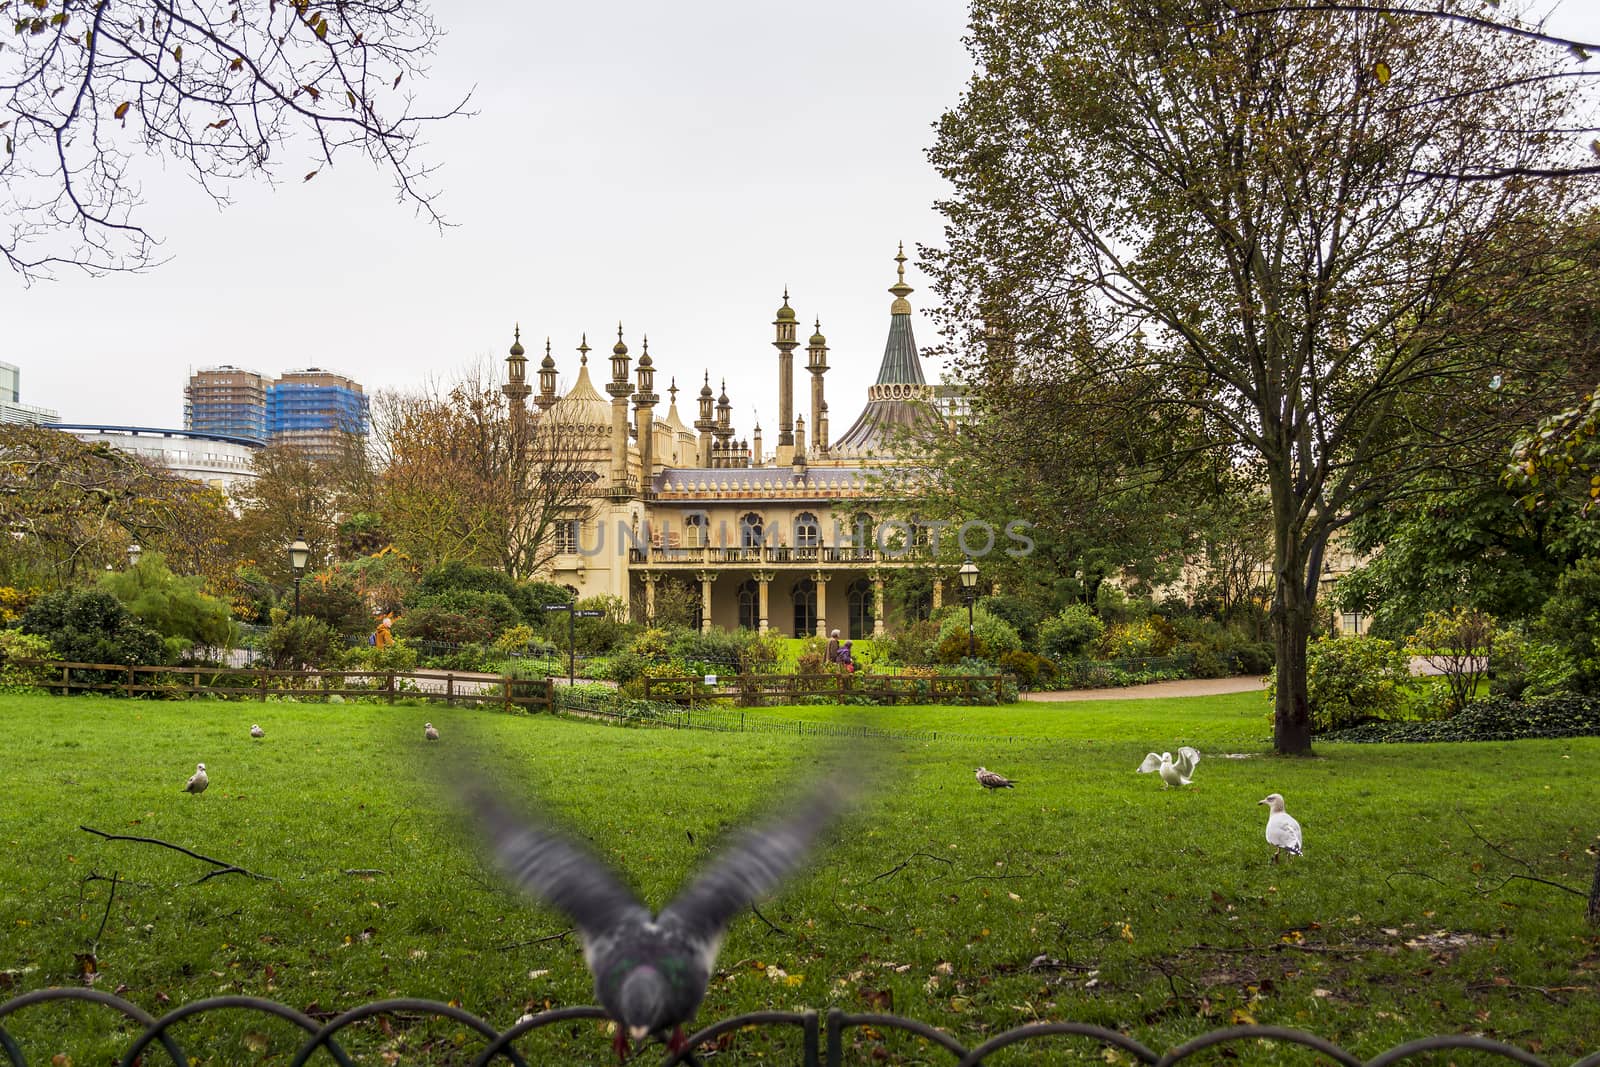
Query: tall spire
x=900 y=289
x=584 y=350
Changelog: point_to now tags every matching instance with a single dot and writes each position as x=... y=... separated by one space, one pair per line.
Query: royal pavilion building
x=796 y=540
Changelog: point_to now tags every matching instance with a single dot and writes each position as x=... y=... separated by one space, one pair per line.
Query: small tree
x=301 y=643
x=175 y=607
x=92 y=626
x=1457 y=644
x=1071 y=634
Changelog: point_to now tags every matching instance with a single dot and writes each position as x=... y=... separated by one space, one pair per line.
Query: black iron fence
x=822 y=1036
x=758 y=690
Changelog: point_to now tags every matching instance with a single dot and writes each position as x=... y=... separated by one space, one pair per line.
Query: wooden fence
x=759 y=690
x=180 y=682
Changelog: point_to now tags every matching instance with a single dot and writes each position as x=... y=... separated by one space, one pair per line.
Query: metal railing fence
x=822 y=1035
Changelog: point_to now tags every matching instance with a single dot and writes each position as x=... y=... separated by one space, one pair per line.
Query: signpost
x=573 y=614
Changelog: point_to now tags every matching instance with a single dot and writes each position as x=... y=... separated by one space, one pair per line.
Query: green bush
x=1032 y=671
x=912 y=646
x=1494 y=719
x=1352 y=678
x=301 y=643
x=92 y=626
x=459 y=617
x=1525 y=668
x=604 y=633
x=517 y=638
x=1022 y=615
x=1571 y=621
x=1130 y=640
x=458 y=576
x=15 y=645
x=530 y=599
x=1458 y=643
x=1070 y=634
x=172 y=606
x=995 y=636
x=651 y=644
x=336 y=599
x=399 y=656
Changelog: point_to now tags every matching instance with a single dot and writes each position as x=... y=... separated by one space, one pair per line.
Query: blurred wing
x=1187 y=758
x=556 y=870
x=1151 y=762
x=754 y=865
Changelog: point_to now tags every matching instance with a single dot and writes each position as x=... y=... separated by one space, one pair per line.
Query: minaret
x=799 y=457
x=724 y=430
x=644 y=406
x=785 y=344
x=620 y=389
x=817 y=364
x=705 y=423
x=755 y=454
x=517 y=388
x=547 y=380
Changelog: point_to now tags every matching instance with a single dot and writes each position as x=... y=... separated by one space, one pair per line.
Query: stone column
x=822 y=602
x=938 y=592
x=706 y=578
x=877 y=605
x=764 y=580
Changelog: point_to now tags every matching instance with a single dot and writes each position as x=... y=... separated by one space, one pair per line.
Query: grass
x=1158 y=909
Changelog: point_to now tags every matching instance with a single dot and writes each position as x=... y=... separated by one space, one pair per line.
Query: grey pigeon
x=197 y=781
x=429 y=732
x=256 y=731
x=990 y=780
x=1173 y=772
x=651 y=971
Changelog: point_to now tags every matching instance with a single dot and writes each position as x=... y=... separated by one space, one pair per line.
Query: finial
x=583 y=350
x=785 y=292
x=644 y=354
x=900 y=289
x=619 y=349
x=549 y=360
x=516 y=343
x=517 y=332
x=672 y=390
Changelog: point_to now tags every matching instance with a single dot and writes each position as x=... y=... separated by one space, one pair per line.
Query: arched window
x=749 y=605
x=751 y=530
x=860 y=601
x=805 y=608
x=694 y=528
x=807 y=531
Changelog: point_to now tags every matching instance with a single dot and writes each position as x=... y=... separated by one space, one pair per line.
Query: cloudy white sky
x=673 y=166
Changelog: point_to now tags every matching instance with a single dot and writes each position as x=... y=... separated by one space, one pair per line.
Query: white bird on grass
x=1173 y=773
x=256 y=731
x=429 y=732
x=1283 y=832
x=197 y=781
x=990 y=780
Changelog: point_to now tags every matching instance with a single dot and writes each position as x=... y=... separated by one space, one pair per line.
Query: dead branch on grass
x=224 y=867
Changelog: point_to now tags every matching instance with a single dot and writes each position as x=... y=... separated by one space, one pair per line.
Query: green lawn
x=1160 y=907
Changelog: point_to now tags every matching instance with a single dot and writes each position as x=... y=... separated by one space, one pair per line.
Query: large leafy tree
x=1161 y=206
x=90 y=94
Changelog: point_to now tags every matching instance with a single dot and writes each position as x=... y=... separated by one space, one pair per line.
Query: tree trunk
x=1594 y=889
x=1291 y=718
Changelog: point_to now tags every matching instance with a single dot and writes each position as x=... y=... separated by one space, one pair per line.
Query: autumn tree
x=458 y=483
x=295 y=493
x=95 y=96
x=1160 y=206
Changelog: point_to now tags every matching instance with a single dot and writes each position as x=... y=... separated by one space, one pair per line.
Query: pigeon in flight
x=651 y=970
x=1174 y=773
x=1283 y=832
x=990 y=780
x=256 y=731
x=429 y=732
x=197 y=781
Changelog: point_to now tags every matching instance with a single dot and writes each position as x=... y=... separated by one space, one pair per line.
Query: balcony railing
x=756 y=555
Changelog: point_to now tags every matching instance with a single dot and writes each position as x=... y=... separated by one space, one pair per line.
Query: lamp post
x=969 y=592
x=134 y=549
x=298 y=553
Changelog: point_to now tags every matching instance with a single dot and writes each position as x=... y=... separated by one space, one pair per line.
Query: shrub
x=460 y=616
x=911 y=646
x=1033 y=671
x=604 y=633
x=1571 y=621
x=530 y=599
x=1494 y=719
x=400 y=656
x=172 y=606
x=1070 y=634
x=337 y=600
x=1525 y=668
x=13 y=602
x=1352 y=678
x=15 y=645
x=92 y=626
x=515 y=639
x=301 y=643
x=458 y=576
x=995 y=636
x=1457 y=643
x=1022 y=615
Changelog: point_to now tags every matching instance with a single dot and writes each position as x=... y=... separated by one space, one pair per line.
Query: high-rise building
x=316 y=411
x=226 y=400
x=12 y=410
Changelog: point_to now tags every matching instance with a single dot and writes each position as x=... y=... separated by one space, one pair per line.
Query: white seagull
x=1173 y=773
x=1283 y=832
x=256 y=730
x=197 y=781
x=429 y=732
x=990 y=780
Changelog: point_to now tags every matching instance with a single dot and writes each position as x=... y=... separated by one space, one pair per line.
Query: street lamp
x=298 y=553
x=969 y=592
x=133 y=554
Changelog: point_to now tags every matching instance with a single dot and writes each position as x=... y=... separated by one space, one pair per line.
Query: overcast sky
x=673 y=166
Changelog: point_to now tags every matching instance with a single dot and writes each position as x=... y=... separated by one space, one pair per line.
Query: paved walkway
x=1189 y=687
